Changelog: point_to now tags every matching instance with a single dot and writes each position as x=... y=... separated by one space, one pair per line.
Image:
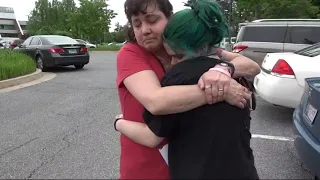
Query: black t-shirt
x=209 y=142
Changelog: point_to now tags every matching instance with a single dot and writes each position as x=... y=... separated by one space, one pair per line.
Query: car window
x=262 y=34
x=81 y=41
x=304 y=35
x=27 y=41
x=35 y=41
x=61 y=40
x=310 y=51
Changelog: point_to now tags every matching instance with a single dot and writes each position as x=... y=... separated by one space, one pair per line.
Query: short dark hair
x=135 y=7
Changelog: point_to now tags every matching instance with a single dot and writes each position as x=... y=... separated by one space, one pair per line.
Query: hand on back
x=220 y=87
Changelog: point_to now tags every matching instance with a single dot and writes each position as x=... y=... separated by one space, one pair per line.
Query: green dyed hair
x=202 y=26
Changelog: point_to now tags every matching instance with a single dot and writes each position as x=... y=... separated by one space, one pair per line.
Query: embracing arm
x=138 y=132
x=146 y=88
x=150 y=134
x=244 y=67
x=137 y=75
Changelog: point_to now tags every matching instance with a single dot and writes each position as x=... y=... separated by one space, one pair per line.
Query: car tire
x=39 y=63
x=79 y=66
x=92 y=47
x=316 y=178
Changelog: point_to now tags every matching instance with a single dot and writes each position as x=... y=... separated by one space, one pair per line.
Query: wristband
x=220 y=70
x=115 y=123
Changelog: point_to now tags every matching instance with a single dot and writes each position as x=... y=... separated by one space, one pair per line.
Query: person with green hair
x=211 y=141
x=196 y=30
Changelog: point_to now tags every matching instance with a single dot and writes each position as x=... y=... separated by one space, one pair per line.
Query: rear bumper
x=69 y=60
x=279 y=91
x=305 y=143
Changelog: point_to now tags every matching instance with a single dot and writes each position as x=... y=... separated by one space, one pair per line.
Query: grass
x=106 y=48
x=14 y=64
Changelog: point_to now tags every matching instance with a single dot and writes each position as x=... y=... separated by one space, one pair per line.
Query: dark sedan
x=306 y=120
x=53 y=50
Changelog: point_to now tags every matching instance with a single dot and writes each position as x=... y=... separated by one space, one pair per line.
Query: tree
x=91 y=20
x=249 y=10
x=258 y=9
x=316 y=3
x=119 y=33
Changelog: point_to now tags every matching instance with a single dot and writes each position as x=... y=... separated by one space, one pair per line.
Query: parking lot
x=63 y=128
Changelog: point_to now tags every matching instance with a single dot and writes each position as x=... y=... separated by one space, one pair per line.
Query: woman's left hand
x=215 y=84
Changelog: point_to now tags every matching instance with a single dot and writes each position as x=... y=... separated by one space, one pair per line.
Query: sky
x=22 y=8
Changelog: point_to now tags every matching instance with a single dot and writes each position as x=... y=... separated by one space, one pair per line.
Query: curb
x=21 y=79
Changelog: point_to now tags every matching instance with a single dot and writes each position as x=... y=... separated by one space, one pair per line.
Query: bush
x=106 y=48
x=14 y=64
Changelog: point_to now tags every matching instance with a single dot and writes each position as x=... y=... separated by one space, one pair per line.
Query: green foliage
x=118 y=35
x=14 y=64
x=257 y=9
x=106 y=48
x=249 y=10
x=90 y=21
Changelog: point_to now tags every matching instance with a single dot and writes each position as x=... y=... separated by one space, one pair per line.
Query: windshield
x=310 y=51
x=61 y=40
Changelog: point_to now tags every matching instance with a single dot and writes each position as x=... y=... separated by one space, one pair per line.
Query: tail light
x=56 y=50
x=239 y=48
x=13 y=43
x=84 y=49
x=282 y=68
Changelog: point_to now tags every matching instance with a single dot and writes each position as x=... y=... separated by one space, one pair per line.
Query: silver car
x=256 y=39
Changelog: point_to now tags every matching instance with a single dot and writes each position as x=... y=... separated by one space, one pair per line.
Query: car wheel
x=39 y=62
x=79 y=66
x=92 y=47
x=316 y=178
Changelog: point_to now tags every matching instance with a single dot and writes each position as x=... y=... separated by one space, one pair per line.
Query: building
x=9 y=25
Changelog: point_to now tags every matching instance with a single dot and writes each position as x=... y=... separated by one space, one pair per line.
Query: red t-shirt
x=137 y=161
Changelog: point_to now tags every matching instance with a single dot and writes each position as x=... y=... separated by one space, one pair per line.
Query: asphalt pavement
x=63 y=128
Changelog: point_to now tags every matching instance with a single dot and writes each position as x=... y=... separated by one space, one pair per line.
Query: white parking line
x=279 y=138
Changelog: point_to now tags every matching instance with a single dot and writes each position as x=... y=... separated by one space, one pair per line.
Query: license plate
x=72 y=51
x=311 y=112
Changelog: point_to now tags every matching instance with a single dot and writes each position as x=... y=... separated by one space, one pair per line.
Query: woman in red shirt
x=140 y=65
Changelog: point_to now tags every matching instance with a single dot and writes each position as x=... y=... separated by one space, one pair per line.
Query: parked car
x=256 y=39
x=306 y=120
x=282 y=75
x=5 y=44
x=6 y=41
x=15 y=43
x=88 y=45
x=55 y=50
x=225 y=41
